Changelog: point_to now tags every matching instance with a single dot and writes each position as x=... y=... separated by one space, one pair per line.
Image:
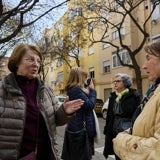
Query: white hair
x=126 y=79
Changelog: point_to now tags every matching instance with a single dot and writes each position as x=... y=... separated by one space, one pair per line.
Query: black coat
x=129 y=103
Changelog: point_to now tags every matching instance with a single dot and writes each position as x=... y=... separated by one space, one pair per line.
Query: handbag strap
x=145 y=99
x=84 y=120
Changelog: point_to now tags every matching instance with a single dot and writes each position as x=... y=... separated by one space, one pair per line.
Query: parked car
x=61 y=99
x=105 y=109
x=98 y=107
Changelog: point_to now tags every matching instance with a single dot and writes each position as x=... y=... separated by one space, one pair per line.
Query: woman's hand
x=72 y=106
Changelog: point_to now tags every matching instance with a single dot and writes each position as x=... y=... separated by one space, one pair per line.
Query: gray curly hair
x=126 y=79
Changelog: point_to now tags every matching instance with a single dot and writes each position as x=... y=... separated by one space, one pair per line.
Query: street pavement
x=98 y=147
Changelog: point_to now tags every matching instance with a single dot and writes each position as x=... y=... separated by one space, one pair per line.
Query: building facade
x=76 y=30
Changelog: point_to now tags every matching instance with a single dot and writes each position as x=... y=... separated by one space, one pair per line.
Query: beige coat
x=144 y=144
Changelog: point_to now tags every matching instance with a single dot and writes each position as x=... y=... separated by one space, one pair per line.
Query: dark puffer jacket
x=13 y=115
x=129 y=103
x=86 y=111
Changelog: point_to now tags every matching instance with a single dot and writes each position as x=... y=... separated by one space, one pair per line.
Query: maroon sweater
x=35 y=131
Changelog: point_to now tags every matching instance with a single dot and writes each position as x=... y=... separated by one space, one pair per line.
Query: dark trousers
x=91 y=143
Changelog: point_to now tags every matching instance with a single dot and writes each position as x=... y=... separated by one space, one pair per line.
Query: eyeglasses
x=117 y=81
x=32 y=60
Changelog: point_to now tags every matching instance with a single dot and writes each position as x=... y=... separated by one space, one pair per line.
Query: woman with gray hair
x=127 y=81
x=122 y=105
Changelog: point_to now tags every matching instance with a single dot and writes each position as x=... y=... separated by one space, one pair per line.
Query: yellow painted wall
x=132 y=37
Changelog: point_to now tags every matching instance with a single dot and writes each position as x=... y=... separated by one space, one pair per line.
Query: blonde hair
x=76 y=77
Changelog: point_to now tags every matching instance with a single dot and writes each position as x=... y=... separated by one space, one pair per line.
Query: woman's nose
x=144 y=66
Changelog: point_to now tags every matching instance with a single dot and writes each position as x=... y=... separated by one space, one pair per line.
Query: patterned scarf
x=145 y=99
x=149 y=93
x=120 y=94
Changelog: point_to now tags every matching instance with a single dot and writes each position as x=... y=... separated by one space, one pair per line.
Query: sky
x=41 y=7
x=46 y=21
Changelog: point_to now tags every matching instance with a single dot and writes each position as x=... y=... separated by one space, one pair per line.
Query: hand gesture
x=72 y=106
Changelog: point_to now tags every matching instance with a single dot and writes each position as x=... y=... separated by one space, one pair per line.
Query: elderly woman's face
x=118 y=84
x=29 y=64
x=152 y=67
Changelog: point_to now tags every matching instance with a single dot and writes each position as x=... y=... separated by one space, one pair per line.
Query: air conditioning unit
x=154 y=21
x=122 y=34
x=155 y=1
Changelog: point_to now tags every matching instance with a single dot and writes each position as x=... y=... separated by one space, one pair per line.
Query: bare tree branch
x=18 y=14
x=126 y=12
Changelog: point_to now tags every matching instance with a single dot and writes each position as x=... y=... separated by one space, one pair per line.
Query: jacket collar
x=10 y=84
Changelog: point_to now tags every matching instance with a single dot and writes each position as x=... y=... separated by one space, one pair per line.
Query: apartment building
x=100 y=59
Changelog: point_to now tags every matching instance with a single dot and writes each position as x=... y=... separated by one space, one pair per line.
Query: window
x=106 y=45
x=52 y=69
x=52 y=83
x=105 y=15
x=73 y=34
x=156 y=12
x=125 y=57
x=91 y=26
x=106 y=42
x=91 y=50
x=118 y=3
x=71 y=15
x=2 y=63
x=60 y=42
x=60 y=77
x=78 y=11
x=116 y=35
x=80 y=51
x=155 y=1
x=75 y=53
x=60 y=26
x=106 y=66
x=91 y=72
x=75 y=12
x=122 y=31
x=116 y=62
x=59 y=62
x=91 y=6
x=156 y=38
